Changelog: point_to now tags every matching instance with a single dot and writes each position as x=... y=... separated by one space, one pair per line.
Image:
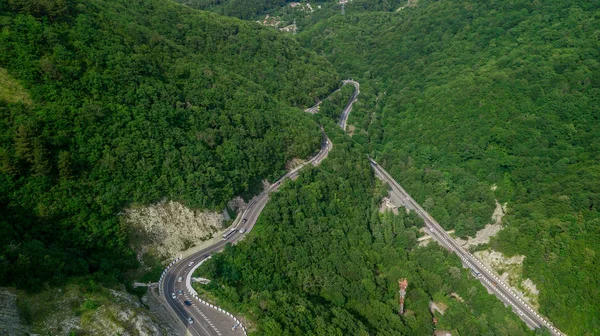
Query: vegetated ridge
x=323 y=260
x=462 y=95
x=135 y=102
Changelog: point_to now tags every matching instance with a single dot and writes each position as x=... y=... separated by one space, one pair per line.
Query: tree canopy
x=133 y=102
x=322 y=260
x=469 y=101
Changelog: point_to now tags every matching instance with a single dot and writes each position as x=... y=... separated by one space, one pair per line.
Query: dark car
x=187 y=303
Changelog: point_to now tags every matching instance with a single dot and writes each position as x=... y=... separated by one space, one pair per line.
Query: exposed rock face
x=293 y=163
x=236 y=204
x=437 y=306
x=511 y=271
x=483 y=236
x=129 y=319
x=167 y=228
x=91 y=311
x=10 y=323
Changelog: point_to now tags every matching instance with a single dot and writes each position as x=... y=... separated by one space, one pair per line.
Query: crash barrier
x=164 y=273
x=194 y=294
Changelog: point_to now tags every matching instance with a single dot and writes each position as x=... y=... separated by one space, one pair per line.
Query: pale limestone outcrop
x=510 y=270
x=94 y=311
x=10 y=323
x=483 y=236
x=167 y=228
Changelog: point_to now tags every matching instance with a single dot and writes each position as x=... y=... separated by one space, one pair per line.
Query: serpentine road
x=211 y=322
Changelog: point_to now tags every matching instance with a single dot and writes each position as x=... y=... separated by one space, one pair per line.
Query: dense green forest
x=106 y=104
x=469 y=101
x=256 y=9
x=323 y=260
x=132 y=102
x=243 y=9
x=334 y=104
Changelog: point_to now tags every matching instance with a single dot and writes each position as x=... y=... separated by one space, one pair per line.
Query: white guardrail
x=162 y=276
x=192 y=291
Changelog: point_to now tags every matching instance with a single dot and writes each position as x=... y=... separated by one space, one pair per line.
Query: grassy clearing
x=11 y=91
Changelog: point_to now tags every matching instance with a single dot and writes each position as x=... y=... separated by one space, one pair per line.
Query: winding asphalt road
x=348 y=108
x=207 y=321
x=213 y=323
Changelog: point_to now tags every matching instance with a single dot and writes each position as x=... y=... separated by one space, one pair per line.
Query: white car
x=190 y=320
x=242 y=230
x=180 y=279
x=173 y=296
x=191 y=263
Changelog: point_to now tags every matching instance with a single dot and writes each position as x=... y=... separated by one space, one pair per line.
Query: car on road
x=205 y=256
x=180 y=279
x=190 y=320
x=187 y=303
x=244 y=220
x=191 y=263
x=173 y=295
x=242 y=230
x=179 y=292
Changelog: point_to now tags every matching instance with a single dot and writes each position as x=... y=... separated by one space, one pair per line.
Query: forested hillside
x=468 y=101
x=132 y=102
x=256 y=9
x=322 y=260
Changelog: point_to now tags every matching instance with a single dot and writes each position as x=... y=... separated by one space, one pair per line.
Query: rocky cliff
x=167 y=228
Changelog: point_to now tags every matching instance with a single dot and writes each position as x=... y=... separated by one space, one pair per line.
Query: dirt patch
x=440 y=307
x=351 y=130
x=483 y=236
x=294 y=163
x=387 y=205
x=409 y=3
x=499 y=213
x=165 y=229
x=456 y=296
x=530 y=286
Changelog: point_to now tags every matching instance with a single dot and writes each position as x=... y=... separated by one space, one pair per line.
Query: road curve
x=213 y=323
x=487 y=276
x=208 y=321
x=348 y=108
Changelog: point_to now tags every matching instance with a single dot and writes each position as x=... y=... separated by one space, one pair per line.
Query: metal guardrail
x=192 y=291
x=162 y=276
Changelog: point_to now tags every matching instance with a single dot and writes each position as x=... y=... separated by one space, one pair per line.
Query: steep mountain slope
x=467 y=101
x=288 y=9
x=136 y=102
x=323 y=260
